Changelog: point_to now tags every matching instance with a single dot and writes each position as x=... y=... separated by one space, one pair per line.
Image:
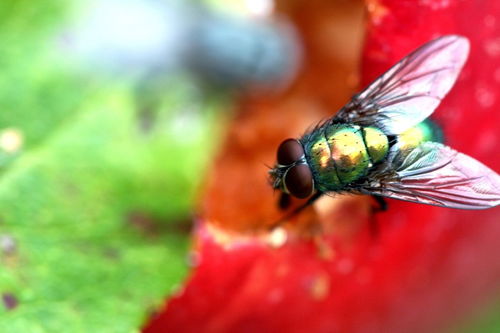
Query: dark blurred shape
x=240 y=52
x=150 y=39
x=9 y=301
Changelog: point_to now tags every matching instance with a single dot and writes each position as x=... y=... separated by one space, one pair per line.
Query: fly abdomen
x=339 y=154
x=413 y=137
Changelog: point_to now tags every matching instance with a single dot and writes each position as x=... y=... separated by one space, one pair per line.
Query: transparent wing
x=437 y=175
x=412 y=89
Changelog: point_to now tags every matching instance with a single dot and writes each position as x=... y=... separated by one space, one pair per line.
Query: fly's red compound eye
x=289 y=152
x=299 y=181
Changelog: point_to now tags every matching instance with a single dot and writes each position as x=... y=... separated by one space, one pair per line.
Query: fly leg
x=381 y=202
x=382 y=207
x=284 y=201
x=297 y=210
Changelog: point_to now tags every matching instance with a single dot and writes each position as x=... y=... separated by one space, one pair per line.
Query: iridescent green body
x=425 y=131
x=340 y=154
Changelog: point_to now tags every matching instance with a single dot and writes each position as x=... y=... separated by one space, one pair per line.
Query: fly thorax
x=376 y=142
x=322 y=165
x=342 y=153
x=348 y=151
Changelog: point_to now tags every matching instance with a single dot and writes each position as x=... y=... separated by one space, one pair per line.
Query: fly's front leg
x=297 y=210
x=284 y=201
x=382 y=207
x=382 y=204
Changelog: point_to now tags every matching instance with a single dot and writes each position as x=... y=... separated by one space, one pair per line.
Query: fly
x=367 y=147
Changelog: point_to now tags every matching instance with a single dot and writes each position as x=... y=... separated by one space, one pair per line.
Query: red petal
x=428 y=265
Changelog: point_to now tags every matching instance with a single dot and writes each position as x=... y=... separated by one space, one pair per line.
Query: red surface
x=428 y=266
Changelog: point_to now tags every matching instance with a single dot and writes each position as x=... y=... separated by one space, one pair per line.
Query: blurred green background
x=96 y=187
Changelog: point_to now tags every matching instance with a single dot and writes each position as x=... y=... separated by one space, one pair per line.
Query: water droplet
x=275 y=295
x=435 y=4
x=345 y=266
x=260 y=8
x=492 y=47
x=485 y=97
x=490 y=21
x=320 y=287
x=278 y=237
x=11 y=140
x=496 y=75
x=7 y=244
x=487 y=141
x=325 y=251
x=9 y=301
x=376 y=11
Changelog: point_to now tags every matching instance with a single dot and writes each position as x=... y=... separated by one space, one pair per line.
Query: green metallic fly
x=374 y=146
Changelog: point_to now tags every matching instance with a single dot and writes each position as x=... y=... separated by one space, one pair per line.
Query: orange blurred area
x=238 y=195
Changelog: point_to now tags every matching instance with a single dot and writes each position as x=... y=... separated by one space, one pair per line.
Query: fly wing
x=437 y=175
x=412 y=89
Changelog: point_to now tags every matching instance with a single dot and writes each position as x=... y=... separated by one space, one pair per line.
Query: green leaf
x=95 y=208
x=96 y=216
